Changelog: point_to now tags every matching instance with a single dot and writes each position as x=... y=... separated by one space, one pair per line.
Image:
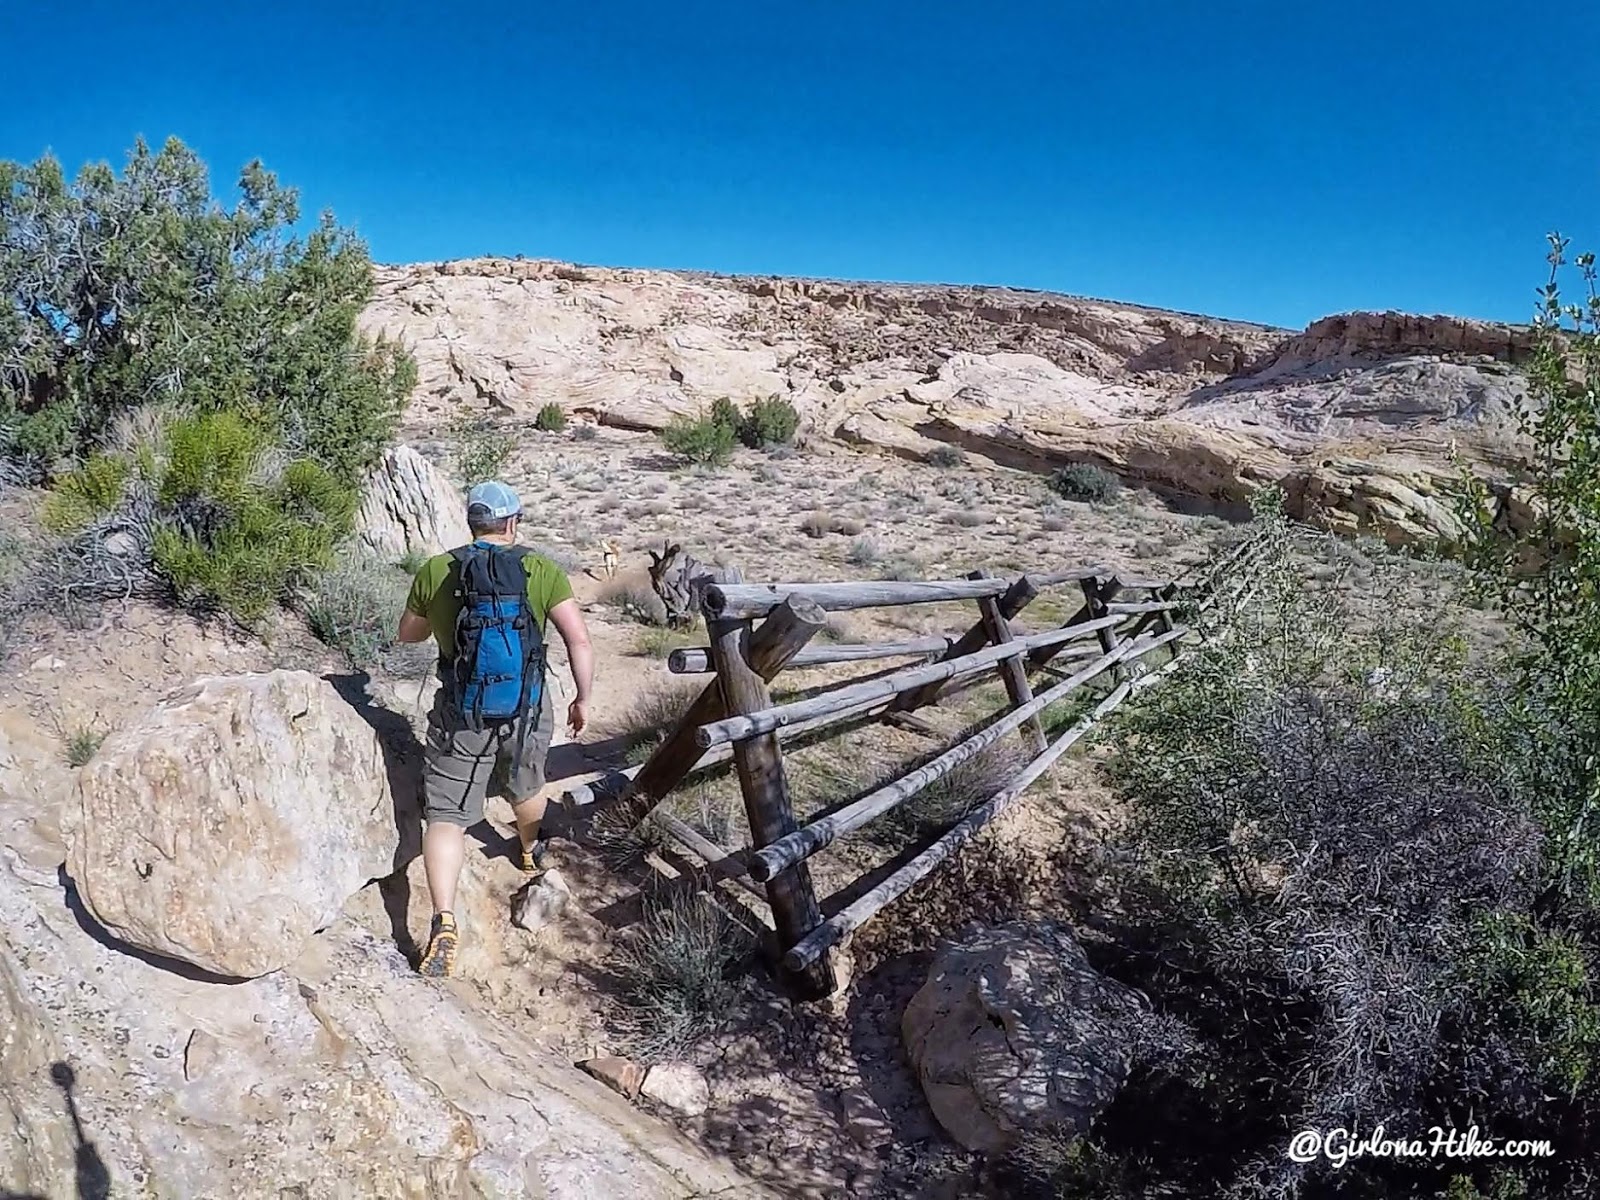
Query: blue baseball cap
x=493 y=500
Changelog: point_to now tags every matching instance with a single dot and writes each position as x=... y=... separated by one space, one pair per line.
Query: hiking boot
x=439 y=961
x=533 y=857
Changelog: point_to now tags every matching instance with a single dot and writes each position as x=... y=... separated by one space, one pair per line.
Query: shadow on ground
x=91 y=1176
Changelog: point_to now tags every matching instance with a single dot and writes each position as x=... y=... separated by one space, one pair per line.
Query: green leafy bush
x=90 y=492
x=552 y=418
x=211 y=383
x=1545 y=580
x=1084 y=481
x=725 y=413
x=770 y=422
x=235 y=535
x=481 y=448
x=699 y=439
x=138 y=289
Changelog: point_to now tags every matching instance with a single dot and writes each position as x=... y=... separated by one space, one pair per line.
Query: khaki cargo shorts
x=460 y=767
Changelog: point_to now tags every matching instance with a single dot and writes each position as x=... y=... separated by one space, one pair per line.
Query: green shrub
x=214 y=309
x=1084 y=481
x=944 y=456
x=674 y=970
x=700 y=440
x=552 y=418
x=725 y=413
x=90 y=492
x=1320 y=828
x=82 y=744
x=770 y=422
x=658 y=641
x=233 y=536
x=585 y=433
x=482 y=449
x=1537 y=982
x=355 y=608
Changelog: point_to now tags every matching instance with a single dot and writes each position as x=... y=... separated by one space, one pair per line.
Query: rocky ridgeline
x=1353 y=416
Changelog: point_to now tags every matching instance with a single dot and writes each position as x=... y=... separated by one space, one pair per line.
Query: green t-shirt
x=433 y=595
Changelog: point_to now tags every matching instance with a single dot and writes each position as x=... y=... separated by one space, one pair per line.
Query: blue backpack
x=498 y=670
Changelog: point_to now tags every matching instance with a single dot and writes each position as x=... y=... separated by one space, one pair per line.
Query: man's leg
x=529 y=814
x=455 y=777
x=526 y=786
x=444 y=846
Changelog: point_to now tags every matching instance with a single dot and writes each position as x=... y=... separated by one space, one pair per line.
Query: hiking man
x=487 y=605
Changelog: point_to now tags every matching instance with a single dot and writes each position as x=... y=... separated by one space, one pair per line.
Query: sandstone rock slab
x=185 y=1087
x=233 y=821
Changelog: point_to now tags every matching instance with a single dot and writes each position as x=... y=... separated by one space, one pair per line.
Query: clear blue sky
x=1267 y=161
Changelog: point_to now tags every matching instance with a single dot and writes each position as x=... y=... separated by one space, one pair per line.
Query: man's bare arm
x=568 y=620
x=414 y=628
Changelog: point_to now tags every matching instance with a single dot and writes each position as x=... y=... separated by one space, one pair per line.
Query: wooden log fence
x=803 y=843
x=758 y=631
x=860 y=911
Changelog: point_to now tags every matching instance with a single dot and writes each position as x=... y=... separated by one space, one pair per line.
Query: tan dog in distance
x=610 y=560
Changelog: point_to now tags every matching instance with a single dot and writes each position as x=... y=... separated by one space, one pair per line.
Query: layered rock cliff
x=1355 y=416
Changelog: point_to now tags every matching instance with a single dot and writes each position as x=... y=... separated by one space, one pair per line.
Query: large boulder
x=233 y=821
x=1014 y=1032
x=409 y=507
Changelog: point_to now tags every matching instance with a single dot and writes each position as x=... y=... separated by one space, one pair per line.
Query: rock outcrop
x=342 y=1074
x=233 y=821
x=345 y=1075
x=409 y=507
x=1014 y=1032
x=1196 y=405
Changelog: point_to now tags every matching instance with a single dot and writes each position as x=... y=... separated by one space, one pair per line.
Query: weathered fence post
x=998 y=628
x=1096 y=595
x=780 y=637
x=766 y=800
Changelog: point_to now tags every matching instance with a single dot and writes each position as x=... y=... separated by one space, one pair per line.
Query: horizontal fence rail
x=852 y=917
x=735 y=729
x=696 y=660
x=790 y=849
x=742 y=601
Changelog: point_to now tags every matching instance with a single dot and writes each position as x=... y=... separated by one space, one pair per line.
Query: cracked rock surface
x=1014 y=1032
